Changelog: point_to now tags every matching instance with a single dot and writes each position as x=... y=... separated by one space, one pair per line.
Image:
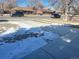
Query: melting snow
x=8 y=31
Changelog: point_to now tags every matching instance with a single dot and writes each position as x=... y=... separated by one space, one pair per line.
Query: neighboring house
x=39 y=11
x=26 y=10
x=32 y=10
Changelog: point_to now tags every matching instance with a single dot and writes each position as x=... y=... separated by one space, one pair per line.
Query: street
x=39 y=19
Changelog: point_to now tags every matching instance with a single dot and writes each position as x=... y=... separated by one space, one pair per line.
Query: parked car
x=17 y=14
x=55 y=15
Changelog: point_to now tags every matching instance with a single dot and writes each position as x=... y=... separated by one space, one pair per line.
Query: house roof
x=23 y=8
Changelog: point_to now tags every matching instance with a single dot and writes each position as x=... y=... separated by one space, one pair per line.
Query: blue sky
x=23 y=3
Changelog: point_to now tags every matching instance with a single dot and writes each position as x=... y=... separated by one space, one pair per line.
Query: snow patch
x=66 y=39
x=22 y=25
x=8 y=31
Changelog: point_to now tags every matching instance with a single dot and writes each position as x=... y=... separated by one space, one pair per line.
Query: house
x=26 y=10
x=39 y=11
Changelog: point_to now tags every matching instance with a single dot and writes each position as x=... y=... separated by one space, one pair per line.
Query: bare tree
x=68 y=6
x=2 y=6
x=52 y=2
x=1 y=3
x=7 y=4
x=36 y=3
x=32 y=2
x=71 y=9
x=11 y=3
x=40 y=5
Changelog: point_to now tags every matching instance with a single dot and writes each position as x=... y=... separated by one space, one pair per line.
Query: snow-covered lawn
x=23 y=40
